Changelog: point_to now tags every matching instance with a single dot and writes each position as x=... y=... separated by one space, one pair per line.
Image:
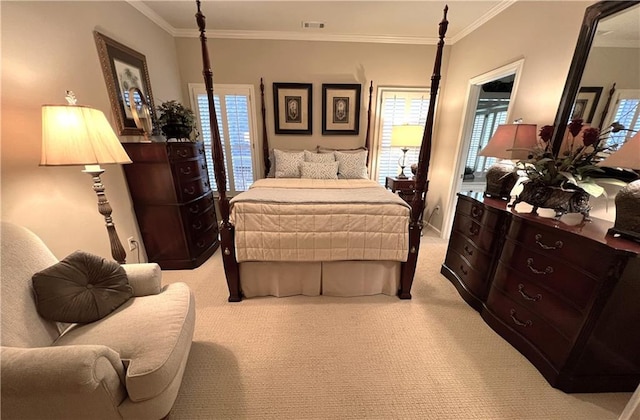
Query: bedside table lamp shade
x=406 y=137
x=627 y=200
x=510 y=142
x=79 y=135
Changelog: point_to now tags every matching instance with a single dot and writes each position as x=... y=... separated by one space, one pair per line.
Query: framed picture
x=586 y=103
x=340 y=109
x=124 y=69
x=292 y=108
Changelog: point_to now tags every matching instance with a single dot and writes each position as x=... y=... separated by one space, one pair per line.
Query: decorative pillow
x=81 y=288
x=288 y=163
x=352 y=165
x=319 y=157
x=319 y=170
x=322 y=149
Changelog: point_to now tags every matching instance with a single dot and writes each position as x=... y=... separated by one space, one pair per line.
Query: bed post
x=367 y=138
x=265 y=139
x=226 y=228
x=417 y=204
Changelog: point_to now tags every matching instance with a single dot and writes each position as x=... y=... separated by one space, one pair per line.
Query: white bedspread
x=319 y=220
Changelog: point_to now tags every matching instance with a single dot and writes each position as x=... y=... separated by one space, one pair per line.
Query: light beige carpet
x=376 y=357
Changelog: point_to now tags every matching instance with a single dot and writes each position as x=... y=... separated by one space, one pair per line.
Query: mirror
x=607 y=24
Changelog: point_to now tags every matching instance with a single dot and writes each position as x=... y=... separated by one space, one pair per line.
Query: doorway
x=489 y=103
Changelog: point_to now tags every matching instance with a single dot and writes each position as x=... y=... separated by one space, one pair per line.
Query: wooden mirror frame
x=592 y=17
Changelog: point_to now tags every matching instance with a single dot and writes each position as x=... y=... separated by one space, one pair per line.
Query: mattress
x=319 y=220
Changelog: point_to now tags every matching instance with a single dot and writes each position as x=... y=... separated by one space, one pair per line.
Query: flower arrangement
x=575 y=165
x=176 y=120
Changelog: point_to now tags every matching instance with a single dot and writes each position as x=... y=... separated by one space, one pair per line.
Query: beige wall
x=47 y=48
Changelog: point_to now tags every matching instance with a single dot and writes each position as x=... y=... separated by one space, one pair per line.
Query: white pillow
x=288 y=163
x=319 y=170
x=319 y=157
x=352 y=165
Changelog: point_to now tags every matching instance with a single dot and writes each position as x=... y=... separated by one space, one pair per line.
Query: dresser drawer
x=529 y=325
x=551 y=273
x=476 y=257
x=476 y=211
x=190 y=190
x=203 y=240
x=188 y=169
x=198 y=206
x=483 y=237
x=555 y=310
x=561 y=245
x=474 y=280
x=178 y=151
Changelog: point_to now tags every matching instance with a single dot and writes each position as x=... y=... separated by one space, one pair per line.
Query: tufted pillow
x=288 y=163
x=319 y=170
x=81 y=288
x=319 y=157
x=352 y=165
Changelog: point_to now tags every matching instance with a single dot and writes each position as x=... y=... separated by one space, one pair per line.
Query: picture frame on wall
x=124 y=69
x=341 y=108
x=586 y=103
x=292 y=108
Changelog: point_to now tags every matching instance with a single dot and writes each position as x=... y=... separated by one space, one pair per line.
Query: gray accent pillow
x=352 y=165
x=319 y=170
x=288 y=163
x=81 y=288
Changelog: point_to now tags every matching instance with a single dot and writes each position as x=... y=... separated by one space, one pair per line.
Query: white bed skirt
x=334 y=278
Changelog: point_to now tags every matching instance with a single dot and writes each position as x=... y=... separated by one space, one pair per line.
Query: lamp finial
x=70 y=97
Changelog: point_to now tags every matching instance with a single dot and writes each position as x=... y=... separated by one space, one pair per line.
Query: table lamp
x=78 y=135
x=509 y=142
x=406 y=137
x=627 y=200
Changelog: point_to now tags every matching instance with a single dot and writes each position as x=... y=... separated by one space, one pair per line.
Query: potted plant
x=176 y=121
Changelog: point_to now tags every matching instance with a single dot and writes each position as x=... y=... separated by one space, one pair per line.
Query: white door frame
x=466 y=128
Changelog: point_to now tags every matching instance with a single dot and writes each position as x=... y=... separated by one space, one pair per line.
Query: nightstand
x=404 y=187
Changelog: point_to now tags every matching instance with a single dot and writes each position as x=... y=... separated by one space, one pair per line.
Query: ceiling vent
x=313 y=25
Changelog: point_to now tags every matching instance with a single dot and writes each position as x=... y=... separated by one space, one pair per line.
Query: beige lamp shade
x=78 y=135
x=406 y=135
x=508 y=137
x=628 y=156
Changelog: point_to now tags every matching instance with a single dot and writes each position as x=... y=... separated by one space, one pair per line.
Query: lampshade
x=406 y=135
x=511 y=136
x=628 y=156
x=78 y=135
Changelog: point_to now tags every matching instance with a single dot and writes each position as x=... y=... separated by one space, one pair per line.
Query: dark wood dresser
x=567 y=297
x=174 y=205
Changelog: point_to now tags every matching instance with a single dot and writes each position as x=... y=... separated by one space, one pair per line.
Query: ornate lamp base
x=501 y=178
x=627 y=222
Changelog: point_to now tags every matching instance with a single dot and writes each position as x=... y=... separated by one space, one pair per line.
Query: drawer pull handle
x=473 y=229
x=189 y=190
x=547 y=270
x=476 y=211
x=465 y=272
x=526 y=296
x=194 y=209
x=182 y=153
x=185 y=171
x=197 y=226
x=558 y=244
x=468 y=250
x=519 y=323
x=201 y=244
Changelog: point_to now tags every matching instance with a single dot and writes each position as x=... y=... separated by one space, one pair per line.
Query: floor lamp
x=510 y=142
x=78 y=135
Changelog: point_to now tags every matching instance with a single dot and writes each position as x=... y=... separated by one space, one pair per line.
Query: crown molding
x=153 y=16
x=499 y=8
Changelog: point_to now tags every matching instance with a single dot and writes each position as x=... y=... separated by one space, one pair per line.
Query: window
x=626 y=111
x=236 y=123
x=397 y=107
x=490 y=113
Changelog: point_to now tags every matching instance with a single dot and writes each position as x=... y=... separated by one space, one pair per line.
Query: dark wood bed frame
x=229 y=260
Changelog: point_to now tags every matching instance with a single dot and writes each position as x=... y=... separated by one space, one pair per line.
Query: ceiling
x=410 y=22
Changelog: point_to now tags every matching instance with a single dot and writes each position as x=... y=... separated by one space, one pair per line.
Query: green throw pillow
x=81 y=288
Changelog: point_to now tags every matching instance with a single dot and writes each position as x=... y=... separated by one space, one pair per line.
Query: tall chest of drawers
x=567 y=297
x=172 y=198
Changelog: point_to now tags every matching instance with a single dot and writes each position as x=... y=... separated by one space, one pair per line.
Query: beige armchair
x=128 y=364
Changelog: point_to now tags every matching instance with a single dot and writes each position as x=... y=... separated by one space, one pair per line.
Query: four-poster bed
x=340 y=237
